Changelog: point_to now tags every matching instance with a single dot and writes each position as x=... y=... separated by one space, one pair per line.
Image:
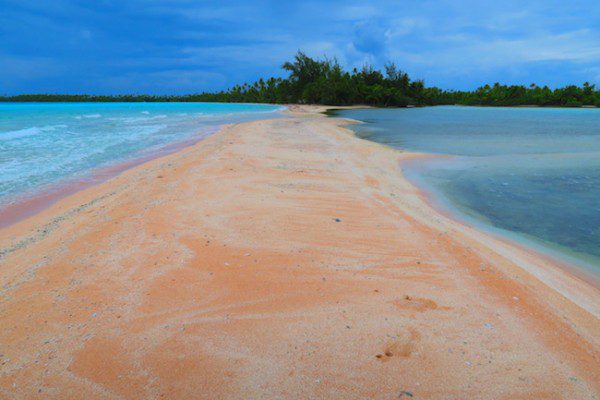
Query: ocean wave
x=130 y=120
x=34 y=130
x=137 y=132
x=39 y=151
x=88 y=116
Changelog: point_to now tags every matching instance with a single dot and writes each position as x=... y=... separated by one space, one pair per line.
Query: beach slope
x=282 y=258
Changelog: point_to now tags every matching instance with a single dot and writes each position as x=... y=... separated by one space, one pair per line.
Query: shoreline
x=550 y=261
x=298 y=229
x=569 y=263
x=28 y=205
x=554 y=262
x=32 y=202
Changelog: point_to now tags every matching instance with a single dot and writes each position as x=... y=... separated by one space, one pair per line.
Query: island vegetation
x=324 y=81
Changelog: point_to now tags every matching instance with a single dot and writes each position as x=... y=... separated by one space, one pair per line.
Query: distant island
x=314 y=81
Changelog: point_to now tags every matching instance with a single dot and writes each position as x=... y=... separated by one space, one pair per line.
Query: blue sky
x=184 y=46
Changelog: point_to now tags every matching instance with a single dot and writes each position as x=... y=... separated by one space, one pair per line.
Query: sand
x=283 y=259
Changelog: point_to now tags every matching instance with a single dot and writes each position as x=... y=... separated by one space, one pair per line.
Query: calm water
x=46 y=143
x=533 y=173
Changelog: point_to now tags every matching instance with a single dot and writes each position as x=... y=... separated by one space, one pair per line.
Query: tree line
x=324 y=81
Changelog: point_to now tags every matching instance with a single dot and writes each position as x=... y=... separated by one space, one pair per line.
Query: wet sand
x=282 y=258
x=34 y=203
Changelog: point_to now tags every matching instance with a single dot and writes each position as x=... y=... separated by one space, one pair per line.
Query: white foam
x=20 y=133
x=88 y=116
x=130 y=120
x=82 y=139
x=34 y=130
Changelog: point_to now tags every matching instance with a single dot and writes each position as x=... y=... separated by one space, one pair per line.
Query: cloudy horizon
x=177 y=47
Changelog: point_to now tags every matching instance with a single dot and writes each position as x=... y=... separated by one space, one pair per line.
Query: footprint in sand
x=416 y=304
x=402 y=345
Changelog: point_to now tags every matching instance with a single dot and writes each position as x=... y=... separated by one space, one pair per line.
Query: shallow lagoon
x=529 y=172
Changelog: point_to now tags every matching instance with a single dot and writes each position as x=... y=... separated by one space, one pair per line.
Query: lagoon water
x=531 y=173
x=47 y=143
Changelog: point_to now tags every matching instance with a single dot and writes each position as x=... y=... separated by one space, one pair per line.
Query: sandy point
x=282 y=258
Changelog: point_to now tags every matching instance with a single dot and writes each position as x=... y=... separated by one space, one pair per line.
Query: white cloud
x=403 y=26
x=581 y=45
x=353 y=13
x=471 y=52
x=166 y=81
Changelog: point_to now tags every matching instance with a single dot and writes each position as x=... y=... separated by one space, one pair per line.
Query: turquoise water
x=46 y=143
x=533 y=173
